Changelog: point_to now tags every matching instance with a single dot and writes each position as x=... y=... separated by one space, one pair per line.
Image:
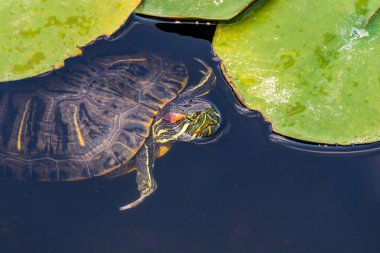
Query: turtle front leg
x=144 y=179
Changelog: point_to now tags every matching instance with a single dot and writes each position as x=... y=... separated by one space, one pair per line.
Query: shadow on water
x=246 y=192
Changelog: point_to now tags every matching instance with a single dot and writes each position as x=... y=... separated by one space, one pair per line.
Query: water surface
x=245 y=192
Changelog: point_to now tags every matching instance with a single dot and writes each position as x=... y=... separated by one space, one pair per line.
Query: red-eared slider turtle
x=101 y=117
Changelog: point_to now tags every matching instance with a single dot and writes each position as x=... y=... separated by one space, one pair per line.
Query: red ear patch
x=173 y=117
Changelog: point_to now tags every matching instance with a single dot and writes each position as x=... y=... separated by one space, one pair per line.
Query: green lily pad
x=38 y=35
x=312 y=68
x=194 y=9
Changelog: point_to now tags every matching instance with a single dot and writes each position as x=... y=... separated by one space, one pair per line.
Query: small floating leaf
x=310 y=67
x=194 y=9
x=38 y=35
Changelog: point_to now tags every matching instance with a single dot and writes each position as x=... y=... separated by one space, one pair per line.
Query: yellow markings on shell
x=79 y=133
x=19 y=137
x=130 y=60
x=123 y=145
x=109 y=170
x=121 y=164
x=137 y=59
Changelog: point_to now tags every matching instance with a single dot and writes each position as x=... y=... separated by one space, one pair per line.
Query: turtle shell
x=86 y=119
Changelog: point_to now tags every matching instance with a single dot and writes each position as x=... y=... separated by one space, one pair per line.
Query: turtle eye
x=173 y=117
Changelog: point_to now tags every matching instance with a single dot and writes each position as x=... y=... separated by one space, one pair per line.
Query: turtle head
x=186 y=121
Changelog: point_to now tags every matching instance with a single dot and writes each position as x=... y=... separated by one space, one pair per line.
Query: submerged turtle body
x=86 y=121
x=92 y=118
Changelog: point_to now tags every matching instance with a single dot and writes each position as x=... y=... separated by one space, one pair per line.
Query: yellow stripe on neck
x=148 y=172
x=19 y=137
x=183 y=130
x=79 y=133
x=174 y=137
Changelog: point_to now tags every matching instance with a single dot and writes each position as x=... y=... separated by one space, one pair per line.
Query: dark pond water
x=249 y=191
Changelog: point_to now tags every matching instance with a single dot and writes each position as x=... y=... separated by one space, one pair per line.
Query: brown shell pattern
x=86 y=119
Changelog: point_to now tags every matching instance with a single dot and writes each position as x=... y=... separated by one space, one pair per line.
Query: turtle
x=109 y=115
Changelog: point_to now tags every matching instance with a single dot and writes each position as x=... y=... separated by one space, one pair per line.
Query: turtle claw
x=134 y=203
x=138 y=201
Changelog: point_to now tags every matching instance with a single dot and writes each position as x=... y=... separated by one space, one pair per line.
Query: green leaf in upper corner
x=310 y=67
x=194 y=9
x=36 y=36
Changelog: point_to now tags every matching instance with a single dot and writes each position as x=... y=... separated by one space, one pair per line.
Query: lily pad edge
x=194 y=18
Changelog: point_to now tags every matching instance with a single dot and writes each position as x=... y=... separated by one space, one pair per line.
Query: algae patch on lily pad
x=36 y=36
x=312 y=68
x=194 y=9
